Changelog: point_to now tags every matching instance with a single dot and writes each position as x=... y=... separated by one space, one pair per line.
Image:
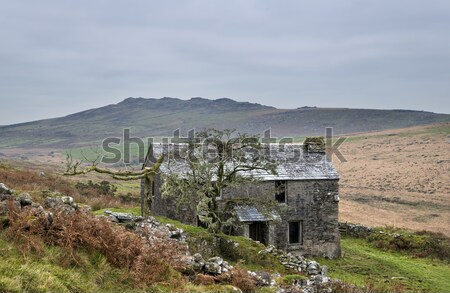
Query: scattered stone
x=113 y=219
x=177 y=234
x=213 y=268
x=198 y=257
x=120 y=217
x=25 y=200
x=64 y=203
x=4 y=189
x=53 y=202
x=313 y=268
x=217 y=260
x=198 y=262
x=3 y=208
x=67 y=200
x=5 y=197
x=263 y=279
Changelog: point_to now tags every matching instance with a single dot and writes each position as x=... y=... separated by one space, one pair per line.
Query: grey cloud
x=60 y=57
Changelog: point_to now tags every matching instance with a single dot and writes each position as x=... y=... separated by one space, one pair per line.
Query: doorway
x=258 y=232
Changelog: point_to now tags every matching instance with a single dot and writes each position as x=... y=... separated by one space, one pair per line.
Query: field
x=394 y=177
x=361 y=263
x=397 y=178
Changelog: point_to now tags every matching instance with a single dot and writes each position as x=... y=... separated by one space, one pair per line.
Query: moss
x=291 y=279
x=232 y=248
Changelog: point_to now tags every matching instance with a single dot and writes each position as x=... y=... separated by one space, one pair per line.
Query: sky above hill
x=60 y=57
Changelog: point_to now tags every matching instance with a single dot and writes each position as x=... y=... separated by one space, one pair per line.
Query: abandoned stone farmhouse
x=308 y=190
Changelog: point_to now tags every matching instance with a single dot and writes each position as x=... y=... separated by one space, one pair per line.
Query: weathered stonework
x=311 y=204
x=314 y=203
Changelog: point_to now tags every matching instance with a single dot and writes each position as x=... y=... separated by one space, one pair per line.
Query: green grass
x=124 y=187
x=361 y=263
x=290 y=279
x=42 y=273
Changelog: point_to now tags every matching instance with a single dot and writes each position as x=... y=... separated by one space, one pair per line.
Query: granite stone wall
x=313 y=203
x=167 y=206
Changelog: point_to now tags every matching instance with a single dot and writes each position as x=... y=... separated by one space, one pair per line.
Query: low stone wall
x=355 y=230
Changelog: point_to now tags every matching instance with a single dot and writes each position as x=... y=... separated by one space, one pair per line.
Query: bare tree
x=222 y=160
x=84 y=166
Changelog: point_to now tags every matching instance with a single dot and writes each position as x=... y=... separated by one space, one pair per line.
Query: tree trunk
x=147 y=197
x=216 y=222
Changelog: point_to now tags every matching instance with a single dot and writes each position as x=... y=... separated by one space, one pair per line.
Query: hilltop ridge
x=160 y=117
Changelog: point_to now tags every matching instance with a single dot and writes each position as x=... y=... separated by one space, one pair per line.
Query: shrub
x=202 y=279
x=420 y=244
x=28 y=180
x=242 y=279
x=128 y=198
x=145 y=262
x=90 y=188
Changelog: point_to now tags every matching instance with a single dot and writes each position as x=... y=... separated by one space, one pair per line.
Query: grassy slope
x=439 y=129
x=42 y=273
x=361 y=262
x=246 y=252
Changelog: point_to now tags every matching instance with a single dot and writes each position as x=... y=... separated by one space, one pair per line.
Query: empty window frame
x=296 y=232
x=280 y=190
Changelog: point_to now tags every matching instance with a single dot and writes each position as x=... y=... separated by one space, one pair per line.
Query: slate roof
x=292 y=164
x=251 y=214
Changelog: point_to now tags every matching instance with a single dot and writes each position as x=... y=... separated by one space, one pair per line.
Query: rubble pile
x=315 y=274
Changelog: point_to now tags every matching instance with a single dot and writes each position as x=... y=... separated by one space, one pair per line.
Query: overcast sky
x=59 y=57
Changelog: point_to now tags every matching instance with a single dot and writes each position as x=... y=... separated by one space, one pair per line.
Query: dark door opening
x=296 y=232
x=257 y=232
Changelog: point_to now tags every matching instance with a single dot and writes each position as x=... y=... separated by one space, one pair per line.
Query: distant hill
x=159 y=117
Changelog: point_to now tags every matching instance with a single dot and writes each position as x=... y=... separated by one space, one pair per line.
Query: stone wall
x=355 y=230
x=167 y=206
x=314 y=203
